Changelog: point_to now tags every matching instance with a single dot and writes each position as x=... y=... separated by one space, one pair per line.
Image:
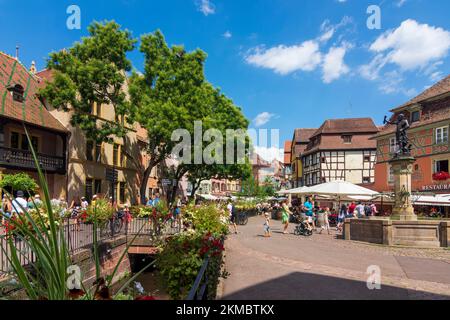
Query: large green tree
x=173 y=94
x=93 y=71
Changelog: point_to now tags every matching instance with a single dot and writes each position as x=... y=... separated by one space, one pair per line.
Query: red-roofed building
x=429 y=116
x=341 y=149
x=20 y=106
x=298 y=146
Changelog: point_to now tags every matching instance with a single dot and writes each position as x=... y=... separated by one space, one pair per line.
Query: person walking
x=360 y=210
x=308 y=207
x=367 y=210
x=325 y=221
x=19 y=204
x=351 y=208
x=341 y=218
x=374 y=210
x=233 y=217
x=267 y=231
x=286 y=213
x=6 y=209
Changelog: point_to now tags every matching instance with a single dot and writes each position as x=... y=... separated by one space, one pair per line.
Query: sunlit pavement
x=288 y=267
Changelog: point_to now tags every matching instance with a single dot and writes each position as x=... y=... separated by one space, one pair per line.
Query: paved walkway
x=287 y=267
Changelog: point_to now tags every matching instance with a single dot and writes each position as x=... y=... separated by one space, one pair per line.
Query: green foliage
x=100 y=211
x=41 y=232
x=207 y=218
x=183 y=255
x=20 y=181
x=93 y=70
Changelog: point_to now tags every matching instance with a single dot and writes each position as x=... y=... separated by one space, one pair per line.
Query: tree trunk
x=195 y=187
x=144 y=182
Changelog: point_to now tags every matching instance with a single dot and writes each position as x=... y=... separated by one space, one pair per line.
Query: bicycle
x=113 y=226
x=242 y=219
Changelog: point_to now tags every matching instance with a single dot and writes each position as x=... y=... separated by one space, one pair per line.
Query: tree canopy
x=170 y=94
x=93 y=71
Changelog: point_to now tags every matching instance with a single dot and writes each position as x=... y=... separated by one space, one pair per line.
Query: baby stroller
x=302 y=229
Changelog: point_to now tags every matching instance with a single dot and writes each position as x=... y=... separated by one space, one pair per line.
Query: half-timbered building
x=341 y=149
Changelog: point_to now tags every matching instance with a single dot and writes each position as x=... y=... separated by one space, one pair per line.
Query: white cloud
x=413 y=45
x=227 y=35
x=328 y=30
x=372 y=70
x=269 y=154
x=393 y=83
x=206 y=7
x=306 y=56
x=287 y=59
x=263 y=118
x=333 y=64
x=400 y=3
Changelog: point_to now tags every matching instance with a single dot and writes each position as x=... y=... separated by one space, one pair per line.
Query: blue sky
x=287 y=63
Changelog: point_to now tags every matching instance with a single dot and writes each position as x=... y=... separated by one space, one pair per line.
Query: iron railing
x=80 y=236
x=18 y=158
x=199 y=290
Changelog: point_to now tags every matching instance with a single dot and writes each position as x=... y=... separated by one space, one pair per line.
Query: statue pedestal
x=402 y=166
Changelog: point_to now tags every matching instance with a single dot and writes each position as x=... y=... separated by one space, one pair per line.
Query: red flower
x=441 y=176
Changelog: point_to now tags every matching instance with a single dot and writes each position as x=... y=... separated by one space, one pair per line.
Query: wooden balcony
x=22 y=159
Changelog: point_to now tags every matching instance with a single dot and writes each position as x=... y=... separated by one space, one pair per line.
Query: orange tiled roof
x=442 y=87
x=31 y=110
x=341 y=126
x=287 y=152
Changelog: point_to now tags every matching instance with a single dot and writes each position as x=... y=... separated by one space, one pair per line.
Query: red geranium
x=441 y=176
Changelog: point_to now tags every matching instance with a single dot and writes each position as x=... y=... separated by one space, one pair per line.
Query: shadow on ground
x=306 y=286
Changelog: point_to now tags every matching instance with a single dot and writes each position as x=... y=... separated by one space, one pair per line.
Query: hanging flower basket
x=441 y=176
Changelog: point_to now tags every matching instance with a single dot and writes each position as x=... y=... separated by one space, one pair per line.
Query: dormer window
x=347 y=139
x=17 y=92
x=415 y=116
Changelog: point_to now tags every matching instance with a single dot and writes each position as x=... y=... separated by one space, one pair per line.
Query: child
x=326 y=223
x=267 y=232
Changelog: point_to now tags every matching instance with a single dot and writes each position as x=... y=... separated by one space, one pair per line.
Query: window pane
x=116 y=155
x=98 y=187
x=98 y=153
x=14 y=140
x=88 y=190
x=89 y=150
x=35 y=143
x=24 y=143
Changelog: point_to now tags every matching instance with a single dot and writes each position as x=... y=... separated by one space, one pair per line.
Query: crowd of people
x=316 y=218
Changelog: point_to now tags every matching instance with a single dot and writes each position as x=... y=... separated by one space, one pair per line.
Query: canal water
x=151 y=279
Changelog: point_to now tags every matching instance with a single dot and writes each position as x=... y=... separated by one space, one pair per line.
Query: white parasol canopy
x=301 y=190
x=340 y=189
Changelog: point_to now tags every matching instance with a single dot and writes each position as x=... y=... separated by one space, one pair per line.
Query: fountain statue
x=402 y=165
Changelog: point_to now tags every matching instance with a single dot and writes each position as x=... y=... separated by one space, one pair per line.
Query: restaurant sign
x=437 y=187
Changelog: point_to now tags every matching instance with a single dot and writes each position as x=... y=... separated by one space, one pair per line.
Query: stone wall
x=109 y=253
x=431 y=234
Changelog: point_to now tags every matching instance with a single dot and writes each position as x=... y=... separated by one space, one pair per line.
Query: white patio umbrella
x=340 y=189
x=208 y=197
x=301 y=190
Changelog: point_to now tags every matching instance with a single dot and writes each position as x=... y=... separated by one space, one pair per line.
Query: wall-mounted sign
x=437 y=187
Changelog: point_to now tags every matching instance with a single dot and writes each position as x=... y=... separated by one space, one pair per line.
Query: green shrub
x=20 y=181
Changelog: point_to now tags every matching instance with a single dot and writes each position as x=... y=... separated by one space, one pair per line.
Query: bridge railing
x=79 y=236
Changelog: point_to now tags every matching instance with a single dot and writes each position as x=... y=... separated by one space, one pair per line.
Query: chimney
x=33 y=67
x=17 y=52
